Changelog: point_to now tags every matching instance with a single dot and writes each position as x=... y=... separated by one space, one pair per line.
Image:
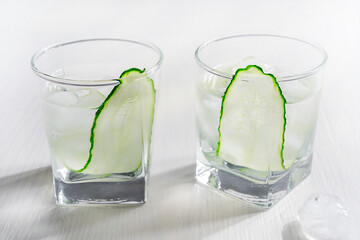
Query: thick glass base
x=259 y=189
x=101 y=193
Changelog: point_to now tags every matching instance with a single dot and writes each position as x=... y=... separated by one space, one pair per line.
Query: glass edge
x=281 y=79
x=91 y=83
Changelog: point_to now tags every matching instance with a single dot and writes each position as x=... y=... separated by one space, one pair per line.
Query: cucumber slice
x=122 y=126
x=252 y=121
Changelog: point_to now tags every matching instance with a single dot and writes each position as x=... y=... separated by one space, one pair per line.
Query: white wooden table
x=177 y=207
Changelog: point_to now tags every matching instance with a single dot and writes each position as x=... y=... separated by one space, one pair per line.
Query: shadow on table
x=30 y=175
x=183 y=209
x=23 y=196
x=177 y=207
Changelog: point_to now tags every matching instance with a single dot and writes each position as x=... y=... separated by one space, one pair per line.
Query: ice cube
x=64 y=98
x=60 y=73
x=82 y=92
x=266 y=67
x=51 y=88
x=300 y=89
x=89 y=98
x=324 y=217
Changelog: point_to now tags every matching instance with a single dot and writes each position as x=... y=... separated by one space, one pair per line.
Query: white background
x=177 y=207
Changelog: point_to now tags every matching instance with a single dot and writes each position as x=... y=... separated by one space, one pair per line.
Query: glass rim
x=84 y=82
x=281 y=79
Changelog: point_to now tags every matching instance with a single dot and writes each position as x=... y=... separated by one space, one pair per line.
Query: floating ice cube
x=51 y=88
x=266 y=67
x=294 y=91
x=323 y=217
x=60 y=73
x=82 y=92
x=63 y=98
x=300 y=89
x=90 y=99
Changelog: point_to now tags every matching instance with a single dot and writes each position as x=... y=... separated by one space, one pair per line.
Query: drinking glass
x=99 y=99
x=255 y=154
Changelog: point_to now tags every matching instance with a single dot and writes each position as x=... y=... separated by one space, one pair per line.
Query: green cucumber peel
x=276 y=85
x=100 y=109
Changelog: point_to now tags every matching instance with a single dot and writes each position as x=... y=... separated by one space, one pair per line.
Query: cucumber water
x=119 y=125
x=98 y=132
x=253 y=122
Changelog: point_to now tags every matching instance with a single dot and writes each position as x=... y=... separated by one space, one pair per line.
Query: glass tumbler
x=99 y=99
x=257 y=106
